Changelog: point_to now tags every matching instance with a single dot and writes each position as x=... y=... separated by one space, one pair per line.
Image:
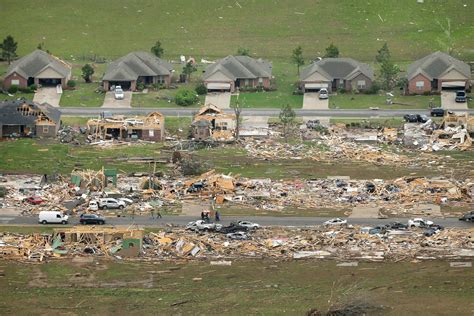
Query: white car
x=419 y=222
x=335 y=221
x=203 y=225
x=237 y=236
x=118 y=93
x=323 y=94
x=111 y=203
x=249 y=225
x=93 y=206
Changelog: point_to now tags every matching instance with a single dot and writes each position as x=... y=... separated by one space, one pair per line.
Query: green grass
x=154 y=99
x=18 y=95
x=75 y=120
x=365 y=101
x=259 y=287
x=76 y=28
x=83 y=95
x=178 y=125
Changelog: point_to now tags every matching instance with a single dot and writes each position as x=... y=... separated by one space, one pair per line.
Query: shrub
x=71 y=84
x=186 y=97
x=201 y=89
x=374 y=89
x=13 y=89
x=156 y=86
x=25 y=90
x=33 y=87
x=140 y=86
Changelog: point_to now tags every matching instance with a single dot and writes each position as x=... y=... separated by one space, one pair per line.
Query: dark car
x=233 y=228
x=422 y=118
x=91 y=219
x=396 y=225
x=430 y=232
x=410 y=118
x=437 y=112
x=461 y=96
x=468 y=217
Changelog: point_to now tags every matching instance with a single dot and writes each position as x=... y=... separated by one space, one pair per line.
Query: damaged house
x=20 y=118
x=149 y=128
x=212 y=122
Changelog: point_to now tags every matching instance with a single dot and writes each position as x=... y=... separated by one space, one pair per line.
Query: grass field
x=260 y=287
x=216 y=28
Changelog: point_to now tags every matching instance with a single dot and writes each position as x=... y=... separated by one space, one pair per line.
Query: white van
x=93 y=206
x=54 y=217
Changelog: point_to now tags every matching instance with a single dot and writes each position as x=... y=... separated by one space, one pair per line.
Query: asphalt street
x=262 y=220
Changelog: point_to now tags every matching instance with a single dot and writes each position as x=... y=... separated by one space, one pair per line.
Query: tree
x=297 y=58
x=287 y=118
x=238 y=117
x=157 y=50
x=383 y=54
x=186 y=97
x=9 y=47
x=388 y=73
x=87 y=72
x=243 y=51
x=188 y=69
x=332 y=51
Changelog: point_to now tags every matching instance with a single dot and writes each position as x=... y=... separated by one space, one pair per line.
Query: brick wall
x=412 y=89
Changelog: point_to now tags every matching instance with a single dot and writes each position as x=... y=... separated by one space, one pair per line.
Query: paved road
x=262 y=220
x=247 y=112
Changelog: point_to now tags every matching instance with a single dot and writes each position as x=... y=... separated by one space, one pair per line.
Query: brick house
x=26 y=118
x=137 y=67
x=212 y=123
x=39 y=68
x=438 y=71
x=336 y=73
x=234 y=72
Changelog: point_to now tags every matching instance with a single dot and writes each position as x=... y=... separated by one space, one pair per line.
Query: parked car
x=461 y=96
x=396 y=225
x=237 y=236
x=323 y=94
x=35 y=200
x=93 y=206
x=202 y=225
x=419 y=222
x=232 y=228
x=437 y=112
x=52 y=217
x=91 y=219
x=410 y=118
x=127 y=201
x=109 y=203
x=430 y=232
x=422 y=118
x=335 y=221
x=468 y=217
x=118 y=93
x=248 y=224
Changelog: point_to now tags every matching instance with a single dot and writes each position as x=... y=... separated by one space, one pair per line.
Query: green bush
x=140 y=86
x=71 y=84
x=186 y=97
x=25 y=90
x=201 y=89
x=374 y=89
x=32 y=87
x=13 y=89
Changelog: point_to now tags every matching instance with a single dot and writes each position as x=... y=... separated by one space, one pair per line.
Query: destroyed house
x=213 y=123
x=20 y=118
x=149 y=128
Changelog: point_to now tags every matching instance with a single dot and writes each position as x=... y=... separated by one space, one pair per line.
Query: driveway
x=47 y=95
x=111 y=102
x=253 y=121
x=219 y=99
x=311 y=101
x=448 y=103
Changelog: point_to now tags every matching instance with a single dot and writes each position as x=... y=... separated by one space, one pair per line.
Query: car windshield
x=461 y=93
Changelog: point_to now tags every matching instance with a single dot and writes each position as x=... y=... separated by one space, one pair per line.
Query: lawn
x=365 y=101
x=84 y=95
x=75 y=29
x=161 y=99
x=259 y=287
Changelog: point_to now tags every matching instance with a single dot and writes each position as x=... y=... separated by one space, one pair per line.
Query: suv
x=91 y=219
x=460 y=96
x=437 y=112
x=111 y=203
x=410 y=118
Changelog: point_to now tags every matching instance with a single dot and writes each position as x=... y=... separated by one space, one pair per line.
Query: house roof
x=33 y=64
x=10 y=113
x=436 y=64
x=337 y=68
x=240 y=67
x=136 y=64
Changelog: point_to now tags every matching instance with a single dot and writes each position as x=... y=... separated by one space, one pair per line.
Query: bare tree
x=238 y=117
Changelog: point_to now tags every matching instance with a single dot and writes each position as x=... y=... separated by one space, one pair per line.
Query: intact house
x=438 y=71
x=234 y=72
x=212 y=123
x=22 y=118
x=137 y=67
x=336 y=73
x=39 y=68
x=150 y=127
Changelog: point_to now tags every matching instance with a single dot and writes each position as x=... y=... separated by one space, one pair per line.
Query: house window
x=45 y=129
x=161 y=79
x=151 y=133
x=360 y=84
x=15 y=82
x=260 y=81
x=341 y=84
x=420 y=85
x=246 y=82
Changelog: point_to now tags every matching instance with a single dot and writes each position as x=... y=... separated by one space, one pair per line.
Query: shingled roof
x=33 y=64
x=137 y=64
x=337 y=68
x=436 y=64
x=240 y=67
x=10 y=114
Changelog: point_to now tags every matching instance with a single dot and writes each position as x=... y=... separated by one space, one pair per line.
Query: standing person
x=218 y=216
x=202 y=215
x=158 y=214
x=152 y=212
x=133 y=213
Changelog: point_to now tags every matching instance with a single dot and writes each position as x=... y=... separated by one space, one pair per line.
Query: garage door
x=218 y=86
x=449 y=85
x=315 y=87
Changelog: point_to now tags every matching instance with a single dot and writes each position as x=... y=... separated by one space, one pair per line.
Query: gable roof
x=240 y=67
x=10 y=113
x=136 y=64
x=436 y=64
x=34 y=63
x=337 y=68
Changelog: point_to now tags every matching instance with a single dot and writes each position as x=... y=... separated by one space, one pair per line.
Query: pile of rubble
x=276 y=243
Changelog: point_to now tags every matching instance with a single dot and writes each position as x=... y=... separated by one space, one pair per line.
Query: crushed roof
x=136 y=64
x=10 y=115
x=337 y=68
x=240 y=67
x=436 y=64
x=33 y=64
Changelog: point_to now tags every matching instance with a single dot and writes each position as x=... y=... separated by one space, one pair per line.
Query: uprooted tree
x=287 y=118
x=238 y=117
